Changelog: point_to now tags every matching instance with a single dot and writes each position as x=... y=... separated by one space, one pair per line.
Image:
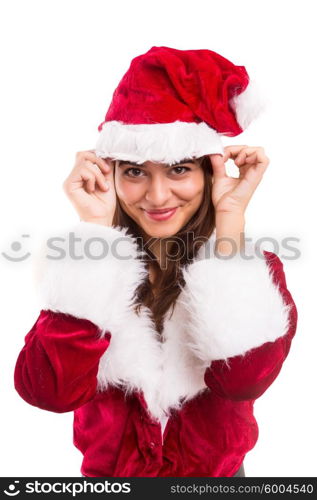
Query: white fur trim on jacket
x=158 y=142
x=94 y=270
x=225 y=308
x=232 y=304
x=167 y=372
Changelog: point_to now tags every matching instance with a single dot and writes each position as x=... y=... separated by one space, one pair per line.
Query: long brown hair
x=167 y=281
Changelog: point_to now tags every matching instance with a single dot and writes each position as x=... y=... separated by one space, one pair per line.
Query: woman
x=161 y=343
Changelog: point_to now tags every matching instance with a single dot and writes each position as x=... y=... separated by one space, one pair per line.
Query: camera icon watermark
x=12 y=491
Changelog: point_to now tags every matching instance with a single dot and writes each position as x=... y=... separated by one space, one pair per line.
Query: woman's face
x=153 y=186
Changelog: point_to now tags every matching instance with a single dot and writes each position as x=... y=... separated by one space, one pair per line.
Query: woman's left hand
x=231 y=194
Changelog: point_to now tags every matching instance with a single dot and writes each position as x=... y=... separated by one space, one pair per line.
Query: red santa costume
x=181 y=404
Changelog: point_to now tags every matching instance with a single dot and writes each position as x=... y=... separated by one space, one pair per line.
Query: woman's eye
x=184 y=168
x=137 y=172
x=132 y=169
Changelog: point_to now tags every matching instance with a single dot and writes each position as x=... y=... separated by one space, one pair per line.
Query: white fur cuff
x=89 y=271
x=232 y=306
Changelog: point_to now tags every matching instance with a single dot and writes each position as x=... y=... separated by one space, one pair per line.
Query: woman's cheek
x=128 y=191
x=189 y=189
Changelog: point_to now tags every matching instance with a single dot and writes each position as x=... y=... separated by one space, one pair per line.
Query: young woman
x=159 y=325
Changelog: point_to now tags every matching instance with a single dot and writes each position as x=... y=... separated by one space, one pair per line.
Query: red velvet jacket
x=180 y=405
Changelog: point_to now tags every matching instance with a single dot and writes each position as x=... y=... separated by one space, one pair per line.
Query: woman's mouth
x=163 y=215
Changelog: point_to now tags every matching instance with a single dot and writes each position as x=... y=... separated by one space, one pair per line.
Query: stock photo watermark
x=75 y=247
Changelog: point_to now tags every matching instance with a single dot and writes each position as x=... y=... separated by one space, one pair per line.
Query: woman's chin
x=160 y=232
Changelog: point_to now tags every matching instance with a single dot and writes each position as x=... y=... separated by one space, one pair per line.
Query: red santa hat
x=176 y=104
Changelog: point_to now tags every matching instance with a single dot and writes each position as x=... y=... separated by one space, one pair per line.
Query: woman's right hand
x=90 y=188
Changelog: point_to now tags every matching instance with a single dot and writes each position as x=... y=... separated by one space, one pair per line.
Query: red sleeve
x=57 y=368
x=248 y=376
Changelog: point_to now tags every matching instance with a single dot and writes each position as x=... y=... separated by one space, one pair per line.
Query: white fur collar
x=172 y=371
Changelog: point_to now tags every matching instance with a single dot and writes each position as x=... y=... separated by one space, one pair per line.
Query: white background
x=60 y=63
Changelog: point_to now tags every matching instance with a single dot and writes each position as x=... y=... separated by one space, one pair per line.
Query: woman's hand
x=230 y=194
x=90 y=188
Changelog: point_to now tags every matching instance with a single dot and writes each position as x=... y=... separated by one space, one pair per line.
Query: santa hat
x=176 y=104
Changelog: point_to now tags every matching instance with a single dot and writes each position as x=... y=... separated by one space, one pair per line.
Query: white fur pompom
x=248 y=105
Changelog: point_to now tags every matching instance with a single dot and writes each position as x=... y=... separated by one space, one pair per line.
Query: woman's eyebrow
x=121 y=163
x=134 y=164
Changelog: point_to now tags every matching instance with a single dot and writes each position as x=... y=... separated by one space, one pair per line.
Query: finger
x=254 y=176
x=249 y=155
x=250 y=159
x=226 y=156
x=240 y=159
x=218 y=166
x=91 y=155
x=101 y=162
x=99 y=176
x=232 y=151
x=89 y=179
x=258 y=158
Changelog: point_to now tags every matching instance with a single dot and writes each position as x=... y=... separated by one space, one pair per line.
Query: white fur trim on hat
x=159 y=142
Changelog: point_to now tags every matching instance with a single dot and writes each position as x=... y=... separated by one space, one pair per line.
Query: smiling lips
x=163 y=214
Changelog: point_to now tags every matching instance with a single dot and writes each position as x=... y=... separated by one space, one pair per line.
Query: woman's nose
x=158 y=192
